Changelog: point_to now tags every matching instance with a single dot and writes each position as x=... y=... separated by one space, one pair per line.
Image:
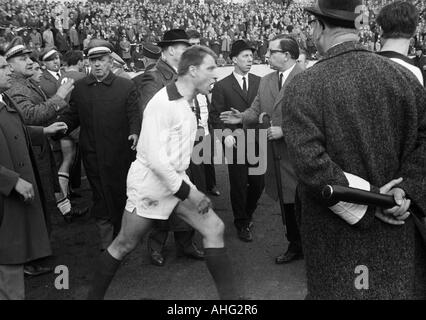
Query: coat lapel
x=251 y=91
x=50 y=78
x=273 y=86
x=296 y=70
x=237 y=88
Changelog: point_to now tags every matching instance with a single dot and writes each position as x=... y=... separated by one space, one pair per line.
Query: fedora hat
x=335 y=9
x=172 y=37
x=239 y=46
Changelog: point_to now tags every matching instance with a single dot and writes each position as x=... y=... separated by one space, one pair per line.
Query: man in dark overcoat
x=23 y=232
x=238 y=91
x=106 y=109
x=173 y=44
x=357 y=119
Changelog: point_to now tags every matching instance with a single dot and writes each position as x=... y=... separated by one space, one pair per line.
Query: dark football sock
x=219 y=265
x=105 y=270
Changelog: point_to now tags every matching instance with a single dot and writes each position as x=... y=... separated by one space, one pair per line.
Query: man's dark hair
x=288 y=44
x=193 y=34
x=72 y=57
x=398 y=20
x=193 y=56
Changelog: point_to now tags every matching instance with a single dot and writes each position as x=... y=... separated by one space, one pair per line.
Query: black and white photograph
x=206 y=157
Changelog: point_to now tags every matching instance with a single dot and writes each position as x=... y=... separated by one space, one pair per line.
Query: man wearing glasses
x=282 y=55
x=357 y=119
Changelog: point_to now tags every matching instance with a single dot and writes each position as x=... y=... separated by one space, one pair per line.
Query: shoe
x=34 y=270
x=157 y=259
x=245 y=234
x=191 y=252
x=214 y=191
x=289 y=256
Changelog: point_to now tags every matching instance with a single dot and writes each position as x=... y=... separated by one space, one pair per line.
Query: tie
x=58 y=75
x=280 y=82
x=244 y=85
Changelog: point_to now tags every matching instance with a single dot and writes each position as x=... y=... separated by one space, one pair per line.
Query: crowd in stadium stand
x=128 y=24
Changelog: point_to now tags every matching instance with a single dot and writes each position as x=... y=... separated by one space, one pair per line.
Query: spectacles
x=271 y=51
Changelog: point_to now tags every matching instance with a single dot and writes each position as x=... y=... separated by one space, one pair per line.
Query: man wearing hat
x=64 y=150
x=23 y=233
x=105 y=106
x=137 y=59
x=118 y=66
x=51 y=79
x=282 y=55
x=151 y=53
x=357 y=119
x=38 y=109
x=238 y=91
x=398 y=22
x=173 y=44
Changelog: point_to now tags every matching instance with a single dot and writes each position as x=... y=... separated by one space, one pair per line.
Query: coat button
x=16 y=137
x=21 y=164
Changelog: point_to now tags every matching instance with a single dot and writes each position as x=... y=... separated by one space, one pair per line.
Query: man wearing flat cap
x=118 y=66
x=23 y=233
x=238 y=91
x=357 y=119
x=106 y=109
x=173 y=44
x=51 y=78
x=38 y=109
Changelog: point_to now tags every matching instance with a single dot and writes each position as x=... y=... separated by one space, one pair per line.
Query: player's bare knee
x=215 y=228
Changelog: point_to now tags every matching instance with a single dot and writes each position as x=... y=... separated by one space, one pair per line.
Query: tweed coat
x=363 y=114
x=23 y=233
x=37 y=110
x=268 y=100
x=107 y=113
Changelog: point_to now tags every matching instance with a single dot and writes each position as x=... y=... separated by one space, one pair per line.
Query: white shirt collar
x=1 y=99
x=286 y=73
x=239 y=79
x=54 y=74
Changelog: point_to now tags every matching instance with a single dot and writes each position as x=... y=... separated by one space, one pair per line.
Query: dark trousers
x=210 y=175
x=292 y=229
x=245 y=192
x=209 y=171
